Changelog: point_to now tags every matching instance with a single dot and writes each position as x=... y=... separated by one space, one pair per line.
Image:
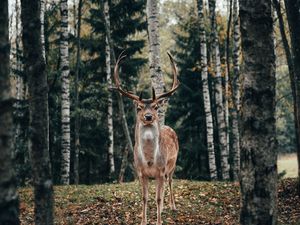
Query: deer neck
x=148 y=143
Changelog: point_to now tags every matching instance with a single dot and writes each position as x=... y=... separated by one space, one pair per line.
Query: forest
x=100 y=97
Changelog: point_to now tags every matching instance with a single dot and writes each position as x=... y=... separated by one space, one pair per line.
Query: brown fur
x=155 y=154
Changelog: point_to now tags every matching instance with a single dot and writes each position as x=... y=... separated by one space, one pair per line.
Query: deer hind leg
x=172 y=198
x=144 y=182
x=159 y=198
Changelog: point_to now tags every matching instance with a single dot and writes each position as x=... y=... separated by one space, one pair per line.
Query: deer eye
x=156 y=107
x=139 y=108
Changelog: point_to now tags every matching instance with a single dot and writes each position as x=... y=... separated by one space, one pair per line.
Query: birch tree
x=65 y=95
x=109 y=84
x=219 y=94
x=119 y=97
x=154 y=53
x=34 y=66
x=43 y=7
x=9 y=201
x=227 y=74
x=77 y=71
x=236 y=93
x=259 y=148
x=206 y=95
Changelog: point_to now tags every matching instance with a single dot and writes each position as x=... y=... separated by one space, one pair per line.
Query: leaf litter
x=209 y=203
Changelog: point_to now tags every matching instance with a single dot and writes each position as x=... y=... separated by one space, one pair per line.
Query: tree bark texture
x=111 y=161
x=258 y=133
x=77 y=71
x=38 y=107
x=293 y=15
x=224 y=152
x=206 y=94
x=43 y=7
x=154 y=53
x=227 y=74
x=9 y=200
x=236 y=93
x=65 y=95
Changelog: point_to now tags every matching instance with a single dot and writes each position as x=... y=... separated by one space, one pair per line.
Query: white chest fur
x=148 y=134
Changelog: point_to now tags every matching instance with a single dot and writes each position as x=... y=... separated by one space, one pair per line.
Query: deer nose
x=148 y=117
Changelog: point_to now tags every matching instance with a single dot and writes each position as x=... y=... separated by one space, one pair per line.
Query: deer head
x=146 y=108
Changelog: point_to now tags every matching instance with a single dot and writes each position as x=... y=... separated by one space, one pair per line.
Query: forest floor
x=197 y=203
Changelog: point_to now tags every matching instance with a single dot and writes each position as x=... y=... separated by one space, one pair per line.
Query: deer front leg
x=144 y=182
x=159 y=198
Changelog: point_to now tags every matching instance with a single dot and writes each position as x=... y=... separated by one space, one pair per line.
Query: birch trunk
x=227 y=74
x=236 y=93
x=259 y=145
x=38 y=108
x=206 y=95
x=154 y=53
x=65 y=95
x=119 y=98
x=77 y=71
x=219 y=94
x=43 y=6
x=293 y=15
x=110 y=103
x=9 y=200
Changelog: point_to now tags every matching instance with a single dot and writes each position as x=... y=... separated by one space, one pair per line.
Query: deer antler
x=176 y=82
x=117 y=80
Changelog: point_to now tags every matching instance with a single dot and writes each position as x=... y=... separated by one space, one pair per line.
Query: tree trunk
x=110 y=103
x=227 y=74
x=206 y=95
x=154 y=53
x=236 y=93
x=293 y=16
x=9 y=200
x=119 y=98
x=77 y=70
x=219 y=94
x=38 y=107
x=65 y=96
x=259 y=145
x=123 y=165
x=43 y=6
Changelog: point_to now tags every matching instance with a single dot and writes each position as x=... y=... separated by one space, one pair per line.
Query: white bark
x=206 y=95
x=43 y=6
x=154 y=53
x=65 y=97
x=110 y=102
x=236 y=93
x=219 y=95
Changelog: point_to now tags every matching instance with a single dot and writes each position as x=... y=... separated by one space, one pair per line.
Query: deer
x=156 y=147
